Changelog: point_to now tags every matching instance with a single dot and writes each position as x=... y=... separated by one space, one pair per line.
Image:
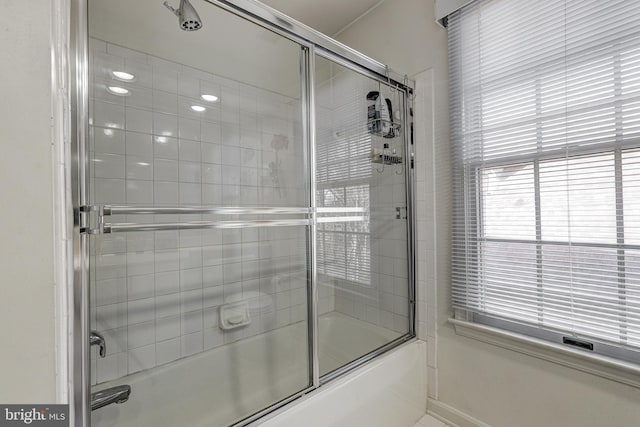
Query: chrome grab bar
x=103 y=211
x=200 y=210
x=322 y=210
x=118 y=394
x=201 y=225
x=342 y=219
x=214 y=210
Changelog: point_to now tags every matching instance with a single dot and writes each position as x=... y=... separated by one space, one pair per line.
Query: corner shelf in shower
x=387 y=159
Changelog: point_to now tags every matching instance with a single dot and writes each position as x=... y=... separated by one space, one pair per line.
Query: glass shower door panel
x=201 y=297
x=362 y=246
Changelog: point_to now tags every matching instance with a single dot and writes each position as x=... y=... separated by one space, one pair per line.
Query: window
x=344 y=248
x=545 y=116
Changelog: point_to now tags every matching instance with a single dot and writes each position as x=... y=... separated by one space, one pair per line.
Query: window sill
x=602 y=366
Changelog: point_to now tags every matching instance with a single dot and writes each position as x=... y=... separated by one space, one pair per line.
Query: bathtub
x=222 y=385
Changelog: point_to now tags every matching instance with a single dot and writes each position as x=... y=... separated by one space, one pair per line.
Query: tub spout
x=119 y=394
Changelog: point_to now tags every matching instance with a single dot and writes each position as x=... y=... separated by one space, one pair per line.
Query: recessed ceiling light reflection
x=142 y=163
x=210 y=98
x=117 y=90
x=123 y=75
x=198 y=108
x=161 y=139
x=108 y=132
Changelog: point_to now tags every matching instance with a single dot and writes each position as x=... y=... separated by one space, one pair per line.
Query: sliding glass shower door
x=245 y=196
x=363 y=251
x=199 y=273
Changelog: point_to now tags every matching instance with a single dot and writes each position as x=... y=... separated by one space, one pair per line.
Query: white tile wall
x=155 y=295
x=426 y=286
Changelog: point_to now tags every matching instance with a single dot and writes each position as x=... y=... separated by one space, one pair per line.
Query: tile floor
x=429 y=421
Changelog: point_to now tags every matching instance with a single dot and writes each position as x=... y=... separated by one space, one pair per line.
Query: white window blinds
x=545 y=116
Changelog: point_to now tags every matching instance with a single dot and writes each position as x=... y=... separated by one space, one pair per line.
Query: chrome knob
x=97 y=339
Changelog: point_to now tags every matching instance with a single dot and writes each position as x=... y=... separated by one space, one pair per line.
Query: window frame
x=622 y=352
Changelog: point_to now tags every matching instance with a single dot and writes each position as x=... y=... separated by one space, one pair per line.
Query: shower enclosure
x=243 y=212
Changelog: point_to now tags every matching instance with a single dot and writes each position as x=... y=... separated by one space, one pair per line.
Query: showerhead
x=188 y=18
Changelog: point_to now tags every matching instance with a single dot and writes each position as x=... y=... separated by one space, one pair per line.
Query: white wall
x=27 y=357
x=495 y=386
x=445 y=7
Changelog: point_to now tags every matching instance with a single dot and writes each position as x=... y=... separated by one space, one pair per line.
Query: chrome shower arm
x=171 y=8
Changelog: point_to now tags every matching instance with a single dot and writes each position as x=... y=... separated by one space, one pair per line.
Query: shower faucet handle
x=97 y=339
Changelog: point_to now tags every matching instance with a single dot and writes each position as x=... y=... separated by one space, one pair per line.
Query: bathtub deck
x=343 y=339
x=429 y=421
x=228 y=383
x=391 y=391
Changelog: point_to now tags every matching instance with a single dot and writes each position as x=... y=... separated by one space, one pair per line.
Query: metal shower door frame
x=312 y=43
x=79 y=372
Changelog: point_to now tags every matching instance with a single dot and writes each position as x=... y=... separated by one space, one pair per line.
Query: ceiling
x=326 y=16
